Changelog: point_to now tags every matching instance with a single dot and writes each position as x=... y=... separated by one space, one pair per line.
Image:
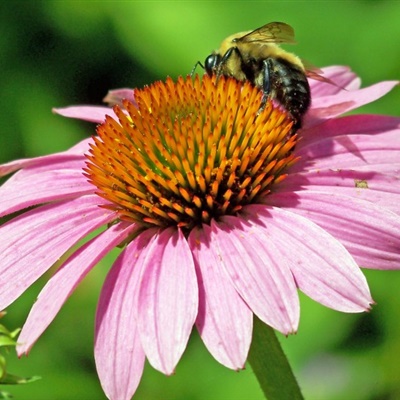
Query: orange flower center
x=190 y=151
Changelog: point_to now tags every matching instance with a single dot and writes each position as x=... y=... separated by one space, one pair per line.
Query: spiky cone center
x=190 y=151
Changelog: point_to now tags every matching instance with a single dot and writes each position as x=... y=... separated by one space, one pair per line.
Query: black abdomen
x=288 y=84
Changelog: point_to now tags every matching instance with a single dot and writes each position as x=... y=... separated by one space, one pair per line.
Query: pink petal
x=33 y=186
x=117 y=95
x=352 y=124
x=337 y=104
x=34 y=241
x=118 y=352
x=258 y=272
x=342 y=77
x=65 y=280
x=351 y=152
x=74 y=154
x=86 y=113
x=322 y=267
x=369 y=232
x=383 y=190
x=387 y=168
x=224 y=321
x=168 y=298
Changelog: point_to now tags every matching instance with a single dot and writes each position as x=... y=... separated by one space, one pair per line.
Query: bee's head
x=211 y=62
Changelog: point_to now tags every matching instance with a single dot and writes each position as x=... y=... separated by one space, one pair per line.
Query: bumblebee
x=256 y=56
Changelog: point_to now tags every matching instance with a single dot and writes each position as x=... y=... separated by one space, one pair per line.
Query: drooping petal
x=118 y=352
x=369 y=232
x=351 y=124
x=381 y=189
x=258 y=271
x=332 y=106
x=65 y=280
x=72 y=155
x=322 y=267
x=87 y=113
x=352 y=152
x=224 y=321
x=33 y=186
x=342 y=78
x=168 y=298
x=34 y=241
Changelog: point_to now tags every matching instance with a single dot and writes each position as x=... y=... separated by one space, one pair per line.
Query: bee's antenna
x=194 y=68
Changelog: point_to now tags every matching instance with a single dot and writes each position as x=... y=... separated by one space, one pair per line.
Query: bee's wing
x=315 y=73
x=274 y=32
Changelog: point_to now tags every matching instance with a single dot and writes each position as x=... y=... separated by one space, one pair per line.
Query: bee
x=256 y=56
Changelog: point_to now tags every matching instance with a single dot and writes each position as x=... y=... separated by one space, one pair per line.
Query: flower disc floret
x=186 y=153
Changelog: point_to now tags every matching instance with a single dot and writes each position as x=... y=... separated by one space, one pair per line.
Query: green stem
x=271 y=366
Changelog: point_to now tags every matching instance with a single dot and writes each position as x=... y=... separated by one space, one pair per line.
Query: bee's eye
x=211 y=62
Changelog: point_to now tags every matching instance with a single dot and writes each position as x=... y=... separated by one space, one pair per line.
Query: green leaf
x=7 y=341
x=15 y=333
x=2 y=367
x=10 y=379
x=5 y=396
x=5 y=333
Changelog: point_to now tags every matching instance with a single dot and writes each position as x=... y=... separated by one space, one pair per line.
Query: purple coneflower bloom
x=222 y=214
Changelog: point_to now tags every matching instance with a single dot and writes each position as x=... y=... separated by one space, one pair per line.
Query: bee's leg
x=229 y=53
x=266 y=88
x=226 y=57
x=194 y=68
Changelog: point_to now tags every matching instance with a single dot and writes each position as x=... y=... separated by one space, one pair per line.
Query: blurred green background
x=57 y=53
